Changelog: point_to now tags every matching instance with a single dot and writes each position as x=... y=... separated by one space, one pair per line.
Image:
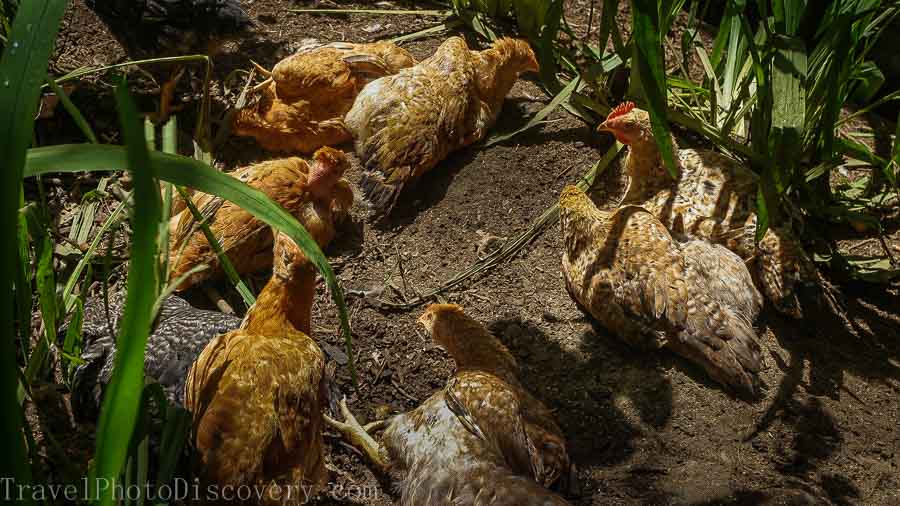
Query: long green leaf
x=45 y=279
x=374 y=11
x=73 y=111
x=788 y=108
x=184 y=171
x=648 y=59
x=122 y=401
x=213 y=241
x=22 y=71
x=23 y=277
x=561 y=97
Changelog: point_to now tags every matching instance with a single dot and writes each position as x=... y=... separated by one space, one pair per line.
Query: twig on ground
x=217 y=299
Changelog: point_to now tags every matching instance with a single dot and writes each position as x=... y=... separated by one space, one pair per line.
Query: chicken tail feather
x=382 y=193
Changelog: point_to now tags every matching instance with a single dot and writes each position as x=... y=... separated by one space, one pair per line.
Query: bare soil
x=641 y=428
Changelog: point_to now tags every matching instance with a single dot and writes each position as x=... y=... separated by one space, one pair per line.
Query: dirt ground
x=641 y=428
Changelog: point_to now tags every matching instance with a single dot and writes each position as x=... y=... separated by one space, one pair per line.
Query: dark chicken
x=179 y=334
x=163 y=28
x=714 y=198
x=481 y=440
x=405 y=124
x=651 y=290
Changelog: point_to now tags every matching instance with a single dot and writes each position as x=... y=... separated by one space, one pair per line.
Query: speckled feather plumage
x=481 y=440
x=652 y=290
x=714 y=198
x=405 y=124
x=179 y=334
x=303 y=107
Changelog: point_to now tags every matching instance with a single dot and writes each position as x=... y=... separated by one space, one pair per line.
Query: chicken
x=164 y=28
x=256 y=394
x=483 y=439
x=179 y=334
x=714 y=198
x=652 y=290
x=247 y=241
x=405 y=124
x=304 y=101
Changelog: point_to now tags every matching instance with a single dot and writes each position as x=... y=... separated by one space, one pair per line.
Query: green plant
x=771 y=93
x=122 y=438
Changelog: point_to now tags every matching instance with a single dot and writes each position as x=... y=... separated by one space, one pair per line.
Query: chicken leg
x=167 y=95
x=358 y=435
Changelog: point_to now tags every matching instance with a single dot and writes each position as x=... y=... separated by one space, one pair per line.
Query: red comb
x=621 y=109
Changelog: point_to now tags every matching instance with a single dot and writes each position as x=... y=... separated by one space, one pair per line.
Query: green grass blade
x=22 y=71
x=175 y=430
x=23 y=278
x=213 y=241
x=121 y=404
x=648 y=60
x=560 y=97
x=607 y=23
x=81 y=72
x=169 y=145
x=788 y=105
x=68 y=297
x=374 y=11
x=72 y=344
x=892 y=170
x=449 y=24
x=45 y=279
x=183 y=171
x=73 y=111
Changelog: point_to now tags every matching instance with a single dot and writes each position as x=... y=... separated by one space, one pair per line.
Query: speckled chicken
x=164 y=28
x=652 y=290
x=482 y=440
x=714 y=198
x=290 y=182
x=179 y=334
x=257 y=393
x=303 y=102
x=405 y=124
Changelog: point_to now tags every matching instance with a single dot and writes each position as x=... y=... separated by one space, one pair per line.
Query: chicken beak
x=606 y=127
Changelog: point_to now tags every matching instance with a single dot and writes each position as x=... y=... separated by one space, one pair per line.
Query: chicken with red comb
x=713 y=198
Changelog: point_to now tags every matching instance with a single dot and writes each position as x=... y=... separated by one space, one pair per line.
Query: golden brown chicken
x=291 y=182
x=483 y=439
x=407 y=123
x=303 y=103
x=652 y=290
x=257 y=393
x=714 y=198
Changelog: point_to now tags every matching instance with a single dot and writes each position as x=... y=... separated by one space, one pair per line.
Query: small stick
x=262 y=70
x=216 y=297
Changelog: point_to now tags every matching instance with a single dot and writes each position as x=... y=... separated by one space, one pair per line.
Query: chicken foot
x=358 y=435
x=167 y=95
x=264 y=72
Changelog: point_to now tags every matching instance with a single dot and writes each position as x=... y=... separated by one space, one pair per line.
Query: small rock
x=335 y=353
x=550 y=317
x=488 y=243
x=382 y=411
x=375 y=27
